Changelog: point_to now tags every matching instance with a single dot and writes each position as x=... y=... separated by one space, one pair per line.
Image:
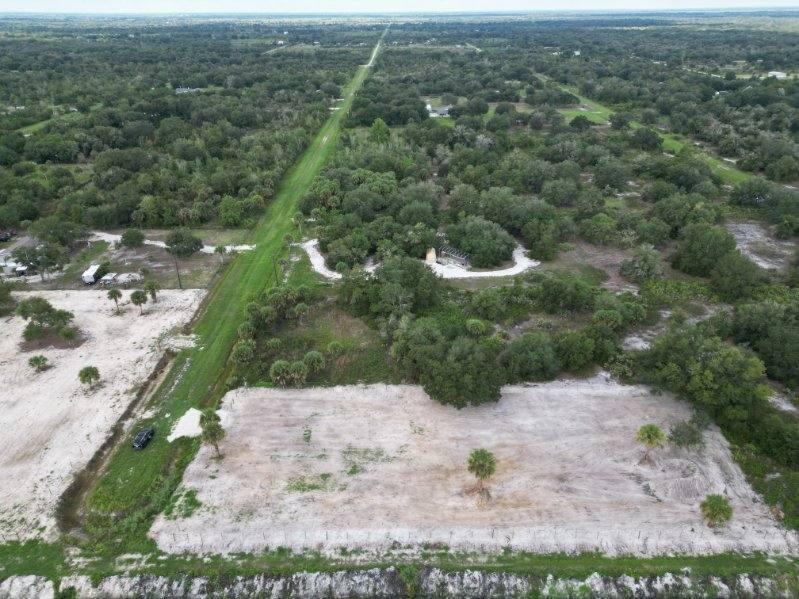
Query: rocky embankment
x=427 y=582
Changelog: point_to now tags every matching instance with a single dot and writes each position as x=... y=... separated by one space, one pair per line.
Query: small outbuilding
x=89 y=276
x=450 y=255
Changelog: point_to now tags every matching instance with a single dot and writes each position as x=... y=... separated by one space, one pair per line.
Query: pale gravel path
x=206 y=249
x=521 y=263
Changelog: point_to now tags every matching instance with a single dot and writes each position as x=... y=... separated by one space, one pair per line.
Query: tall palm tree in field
x=115 y=295
x=482 y=464
x=652 y=437
x=212 y=431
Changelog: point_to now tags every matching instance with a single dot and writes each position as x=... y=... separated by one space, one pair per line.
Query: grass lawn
x=136 y=486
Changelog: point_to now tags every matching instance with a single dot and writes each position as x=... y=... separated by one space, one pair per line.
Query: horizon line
x=717 y=9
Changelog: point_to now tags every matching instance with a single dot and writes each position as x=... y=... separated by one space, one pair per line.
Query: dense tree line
x=115 y=142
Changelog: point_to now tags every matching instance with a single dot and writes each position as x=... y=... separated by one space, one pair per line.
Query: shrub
x=486 y=242
x=599 y=229
x=132 y=238
x=575 y=350
x=701 y=247
x=476 y=327
x=716 y=510
x=89 y=375
x=686 y=434
x=38 y=363
x=646 y=264
x=334 y=349
x=735 y=276
x=298 y=372
x=280 y=372
x=243 y=352
x=68 y=333
x=566 y=294
x=531 y=357
x=314 y=360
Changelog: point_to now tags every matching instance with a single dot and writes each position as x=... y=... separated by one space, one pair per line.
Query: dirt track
x=368 y=466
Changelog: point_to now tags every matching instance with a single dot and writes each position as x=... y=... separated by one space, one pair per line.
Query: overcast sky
x=346 y=6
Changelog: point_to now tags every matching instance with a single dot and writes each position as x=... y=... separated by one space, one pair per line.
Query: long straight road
x=137 y=486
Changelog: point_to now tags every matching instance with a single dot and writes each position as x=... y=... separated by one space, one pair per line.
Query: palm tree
x=298 y=219
x=89 y=375
x=115 y=294
x=482 y=464
x=716 y=510
x=221 y=250
x=152 y=287
x=139 y=298
x=652 y=437
x=212 y=431
x=182 y=244
x=38 y=363
x=476 y=327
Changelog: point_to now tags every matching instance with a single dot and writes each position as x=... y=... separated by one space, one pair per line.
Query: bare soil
x=51 y=424
x=370 y=467
x=757 y=242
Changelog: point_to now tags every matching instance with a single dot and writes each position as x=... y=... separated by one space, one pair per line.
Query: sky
x=348 y=6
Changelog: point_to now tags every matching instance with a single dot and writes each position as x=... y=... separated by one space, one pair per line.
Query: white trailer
x=89 y=276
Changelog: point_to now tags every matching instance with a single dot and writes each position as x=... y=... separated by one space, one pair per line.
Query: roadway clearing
x=371 y=467
x=52 y=425
x=139 y=487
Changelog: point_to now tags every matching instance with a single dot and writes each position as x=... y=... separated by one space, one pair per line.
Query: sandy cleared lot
x=757 y=243
x=51 y=425
x=367 y=466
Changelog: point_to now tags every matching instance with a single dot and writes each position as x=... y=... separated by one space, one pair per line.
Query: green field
x=136 y=486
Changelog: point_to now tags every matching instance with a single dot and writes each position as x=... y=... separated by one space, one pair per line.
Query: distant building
x=187 y=90
x=778 y=74
x=438 y=112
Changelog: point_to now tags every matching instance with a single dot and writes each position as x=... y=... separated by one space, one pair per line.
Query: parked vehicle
x=90 y=275
x=143 y=437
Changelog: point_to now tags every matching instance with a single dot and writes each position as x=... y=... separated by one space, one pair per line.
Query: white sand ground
x=757 y=243
x=50 y=425
x=366 y=466
x=521 y=263
x=187 y=425
x=206 y=249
